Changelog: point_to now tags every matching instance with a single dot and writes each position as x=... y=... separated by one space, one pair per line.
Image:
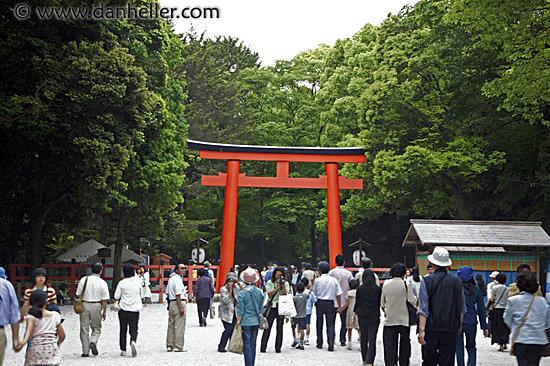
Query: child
x=352 y=322
x=46 y=331
x=62 y=294
x=309 y=307
x=300 y=301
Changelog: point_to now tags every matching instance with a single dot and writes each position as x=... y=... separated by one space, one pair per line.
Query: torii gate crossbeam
x=232 y=180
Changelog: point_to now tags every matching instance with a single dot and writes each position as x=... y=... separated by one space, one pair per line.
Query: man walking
x=440 y=312
x=328 y=291
x=343 y=276
x=9 y=313
x=365 y=263
x=95 y=293
x=176 y=293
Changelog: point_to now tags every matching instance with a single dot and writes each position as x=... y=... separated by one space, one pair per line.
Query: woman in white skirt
x=145 y=284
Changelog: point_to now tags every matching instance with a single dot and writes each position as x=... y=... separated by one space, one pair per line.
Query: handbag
x=236 y=342
x=212 y=312
x=286 y=306
x=267 y=306
x=115 y=306
x=263 y=323
x=491 y=305
x=521 y=325
x=413 y=318
x=78 y=304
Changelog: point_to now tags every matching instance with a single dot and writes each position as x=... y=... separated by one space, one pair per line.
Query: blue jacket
x=471 y=315
x=245 y=305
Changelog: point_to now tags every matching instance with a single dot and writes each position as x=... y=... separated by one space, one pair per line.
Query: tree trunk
x=37 y=247
x=313 y=244
x=117 y=270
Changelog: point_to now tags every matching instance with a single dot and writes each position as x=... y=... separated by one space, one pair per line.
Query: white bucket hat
x=440 y=257
x=494 y=274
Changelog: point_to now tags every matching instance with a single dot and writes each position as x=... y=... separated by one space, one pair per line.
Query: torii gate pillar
x=232 y=180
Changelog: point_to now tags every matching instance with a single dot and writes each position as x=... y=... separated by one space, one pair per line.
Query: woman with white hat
x=249 y=305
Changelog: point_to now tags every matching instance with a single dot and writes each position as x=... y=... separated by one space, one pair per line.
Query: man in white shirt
x=95 y=293
x=310 y=274
x=176 y=292
x=343 y=276
x=490 y=286
x=328 y=291
x=365 y=263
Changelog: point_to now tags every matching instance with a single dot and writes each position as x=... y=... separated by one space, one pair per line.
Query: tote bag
x=286 y=306
x=236 y=342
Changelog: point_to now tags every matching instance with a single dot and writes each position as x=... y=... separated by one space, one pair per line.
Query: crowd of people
x=445 y=310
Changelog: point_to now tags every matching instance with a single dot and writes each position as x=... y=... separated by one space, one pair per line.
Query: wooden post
x=333 y=210
x=161 y=284
x=73 y=280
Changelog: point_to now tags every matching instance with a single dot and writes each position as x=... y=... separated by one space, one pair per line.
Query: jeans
x=128 y=319
x=528 y=354
x=326 y=308
x=227 y=331
x=390 y=337
x=439 y=349
x=273 y=314
x=468 y=330
x=250 y=333
x=203 y=305
x=369 y=330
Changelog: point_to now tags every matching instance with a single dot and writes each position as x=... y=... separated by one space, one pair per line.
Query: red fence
x=72 y=273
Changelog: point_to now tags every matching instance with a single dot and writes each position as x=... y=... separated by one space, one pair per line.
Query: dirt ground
x=201 y=344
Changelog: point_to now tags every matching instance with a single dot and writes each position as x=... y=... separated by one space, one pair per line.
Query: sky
x=283 y=28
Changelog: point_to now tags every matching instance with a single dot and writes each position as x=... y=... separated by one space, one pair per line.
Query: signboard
x=357 y=258
x=201 y=255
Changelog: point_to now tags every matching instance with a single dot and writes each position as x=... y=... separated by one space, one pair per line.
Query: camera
x=281 y=280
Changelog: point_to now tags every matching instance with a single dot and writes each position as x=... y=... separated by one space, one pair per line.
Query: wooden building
x=486 y=246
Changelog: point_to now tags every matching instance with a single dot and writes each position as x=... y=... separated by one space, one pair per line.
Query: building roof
x=127 y=256
x=476 y=233
x=462 y=249
x=81 y=252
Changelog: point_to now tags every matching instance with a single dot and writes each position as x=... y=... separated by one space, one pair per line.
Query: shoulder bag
x=78 y=304
x=267 y=307
x=492 y=304
x=264 y=324
x=521 y=325
x=413 y=318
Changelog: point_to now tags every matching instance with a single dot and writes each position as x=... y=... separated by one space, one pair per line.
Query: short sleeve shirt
x=52 y=297
x=270 y=287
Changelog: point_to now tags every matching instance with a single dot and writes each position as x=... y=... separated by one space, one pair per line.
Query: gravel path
x=201 y=344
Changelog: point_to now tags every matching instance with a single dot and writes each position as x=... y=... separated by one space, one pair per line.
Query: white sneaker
x=349 y=345
x=123 y=353
x=134 y=350
x=306 y=341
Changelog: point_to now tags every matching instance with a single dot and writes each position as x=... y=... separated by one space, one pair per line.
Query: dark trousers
x=227 y=331
x=369 y=330
x=439 y=349
x=203 y=305
x=343 y=328
x=325 y=308
x=128 y=319
x=528 y=354
x=273 y=314
x=468 y=330
x=393 y=335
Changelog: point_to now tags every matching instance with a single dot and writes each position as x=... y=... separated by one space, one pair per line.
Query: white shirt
x=96 y=289
x=176 y=287
x=128 y=292
x=490 y=288
x=359 y=277
x=327 y=288
x=343 y=276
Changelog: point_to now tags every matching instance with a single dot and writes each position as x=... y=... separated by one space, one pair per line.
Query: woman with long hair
x=499 y=298
x=40 y=282
x=472 y=298
x=275 y=287
x=414 y=280
x=128 y=293
x=367 y=308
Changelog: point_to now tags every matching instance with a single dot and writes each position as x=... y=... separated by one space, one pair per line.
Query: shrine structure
x=232 y=180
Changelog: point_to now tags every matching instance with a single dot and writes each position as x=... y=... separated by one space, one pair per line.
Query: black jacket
x=367 y=303
x=445 y=301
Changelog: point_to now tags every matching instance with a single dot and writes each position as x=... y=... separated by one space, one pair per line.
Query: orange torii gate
x=232 y=180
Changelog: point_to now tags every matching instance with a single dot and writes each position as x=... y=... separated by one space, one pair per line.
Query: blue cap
x=3 y=273
x=465 y=273
x=274 y=262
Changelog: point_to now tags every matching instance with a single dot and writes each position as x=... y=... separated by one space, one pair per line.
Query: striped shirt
x=52 y=297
